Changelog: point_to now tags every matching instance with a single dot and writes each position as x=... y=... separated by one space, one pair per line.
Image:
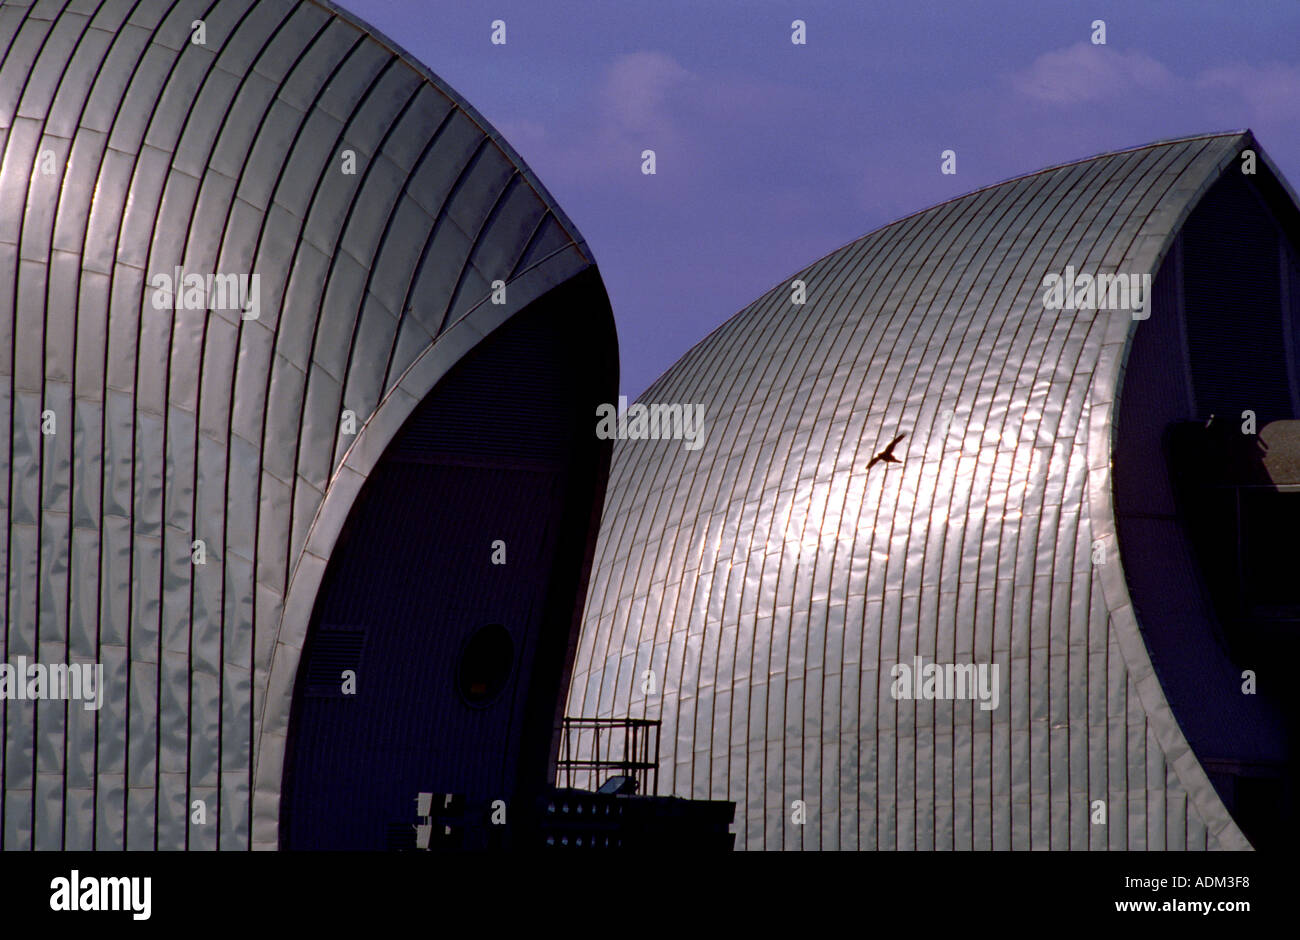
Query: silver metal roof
x=770 y=581
x=173 y=426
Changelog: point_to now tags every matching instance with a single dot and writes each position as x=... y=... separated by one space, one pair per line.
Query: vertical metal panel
x=217 y=158
x=976 y=547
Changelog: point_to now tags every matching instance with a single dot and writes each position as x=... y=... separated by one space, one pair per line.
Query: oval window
x=485 y=664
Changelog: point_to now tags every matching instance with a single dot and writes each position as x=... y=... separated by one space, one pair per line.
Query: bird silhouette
x=887 y=455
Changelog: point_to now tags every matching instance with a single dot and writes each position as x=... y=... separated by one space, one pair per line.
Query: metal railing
x=592 y=748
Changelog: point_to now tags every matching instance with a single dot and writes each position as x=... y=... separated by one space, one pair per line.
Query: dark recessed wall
x=502 y=449
x=1221 y=339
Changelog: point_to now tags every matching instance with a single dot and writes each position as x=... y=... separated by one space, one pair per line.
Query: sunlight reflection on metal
x=974 y=547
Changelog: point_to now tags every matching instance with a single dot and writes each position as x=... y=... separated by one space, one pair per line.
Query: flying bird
x=887 y=455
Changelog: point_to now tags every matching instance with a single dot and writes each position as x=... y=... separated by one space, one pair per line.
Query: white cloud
x=637 y=89
x=1271 y=91
x=1084 y=72
x=635 y=105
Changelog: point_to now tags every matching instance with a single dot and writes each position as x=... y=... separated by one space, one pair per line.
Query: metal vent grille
x=401 y=837
x=334 y=651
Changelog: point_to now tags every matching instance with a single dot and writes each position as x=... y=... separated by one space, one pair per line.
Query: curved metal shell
x=131 y=148
x=770 y=581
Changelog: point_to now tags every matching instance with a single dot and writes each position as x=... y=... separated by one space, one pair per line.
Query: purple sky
x=771 y=155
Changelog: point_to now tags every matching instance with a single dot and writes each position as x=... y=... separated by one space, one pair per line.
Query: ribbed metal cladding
x=770 y=581
x=129 y=150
